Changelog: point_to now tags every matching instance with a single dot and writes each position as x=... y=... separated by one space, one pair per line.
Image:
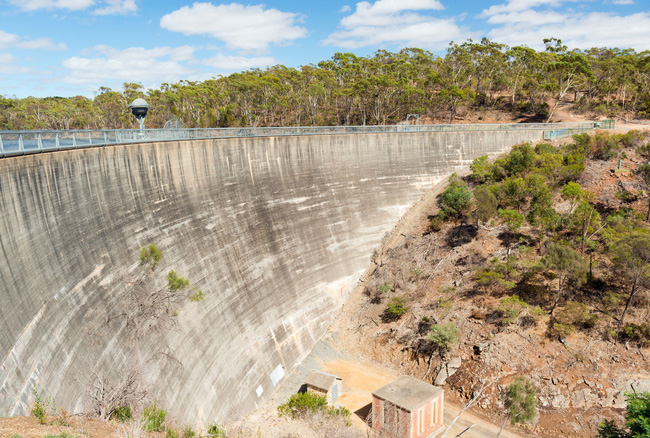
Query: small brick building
x=408 y=407
x=325 y=384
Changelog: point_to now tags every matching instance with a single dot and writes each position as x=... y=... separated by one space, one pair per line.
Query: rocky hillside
x=535 y=266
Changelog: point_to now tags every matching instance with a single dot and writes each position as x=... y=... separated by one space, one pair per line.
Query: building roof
x=321 y=380
x=408 y=393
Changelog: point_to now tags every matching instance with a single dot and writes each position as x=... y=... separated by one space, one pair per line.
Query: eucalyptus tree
x=521 y=64
x=568 y=69
x=456 y=72
x=489 y=59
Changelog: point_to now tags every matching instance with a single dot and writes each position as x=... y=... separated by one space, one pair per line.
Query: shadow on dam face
x=275 y=231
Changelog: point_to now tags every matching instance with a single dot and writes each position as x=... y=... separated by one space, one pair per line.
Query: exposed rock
x=560 y=402
x=584 y=398
x=447 y=370
x=441 y=378
x=480 y=347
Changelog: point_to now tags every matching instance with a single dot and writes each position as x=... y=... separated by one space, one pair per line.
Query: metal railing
x=555 y=134
x=31 y=142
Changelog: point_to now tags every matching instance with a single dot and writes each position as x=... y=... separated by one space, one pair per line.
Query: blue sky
x=73 y=47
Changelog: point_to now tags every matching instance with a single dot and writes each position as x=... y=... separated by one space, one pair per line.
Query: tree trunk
x=629 y=302
x=550 y=115
x=557 y=296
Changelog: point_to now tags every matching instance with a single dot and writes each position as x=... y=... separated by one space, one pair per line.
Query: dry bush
x=132 y=429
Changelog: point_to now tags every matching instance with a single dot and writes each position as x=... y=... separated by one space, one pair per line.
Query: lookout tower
x=139 y=108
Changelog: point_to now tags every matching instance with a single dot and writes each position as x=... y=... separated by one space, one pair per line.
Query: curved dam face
x=275 y=231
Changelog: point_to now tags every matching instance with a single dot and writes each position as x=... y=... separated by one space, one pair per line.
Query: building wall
x=274 y=231
x=431 y=414
x=319 y=391
x=385 y=413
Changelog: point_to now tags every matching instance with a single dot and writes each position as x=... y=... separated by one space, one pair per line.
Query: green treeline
x=379 y=89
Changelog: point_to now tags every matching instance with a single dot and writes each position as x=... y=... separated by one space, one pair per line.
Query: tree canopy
x=382 y=88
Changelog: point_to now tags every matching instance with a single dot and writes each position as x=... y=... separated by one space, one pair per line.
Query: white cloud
x=239 y=26
x=110 y=7
x=230 y=63
x=397 y=22
x=345 y=8
x=135 y=64
x=8 y=40
x=33 y=5
x=117 y=7
x=528 y=22
x=522 y=5
x=9 y=65
x=622 y=2
x=42 y=44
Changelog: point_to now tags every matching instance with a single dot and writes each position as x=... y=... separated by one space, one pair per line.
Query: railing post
x=90 y=138
x=74 y=141
x=2 y=149
x=20 y=143
x=56 y=141
x=39 y=142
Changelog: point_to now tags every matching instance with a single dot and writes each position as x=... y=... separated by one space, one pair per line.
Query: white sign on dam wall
x=274 y=231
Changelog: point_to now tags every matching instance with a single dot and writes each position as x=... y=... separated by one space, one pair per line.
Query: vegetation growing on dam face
x=535 y=265
x=380 y=89
x=146 y=311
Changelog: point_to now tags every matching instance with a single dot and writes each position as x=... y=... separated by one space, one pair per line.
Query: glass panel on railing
x=30 y=142
x=49 y=140
x=10 y=142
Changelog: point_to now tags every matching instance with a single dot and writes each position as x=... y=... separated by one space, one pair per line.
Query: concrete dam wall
x=275 y=231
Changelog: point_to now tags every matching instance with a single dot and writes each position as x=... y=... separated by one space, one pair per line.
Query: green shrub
x=176 y=282
x=444 y=303
x=639 y=333
x=481 y=170
x=490 y=280
x=301 y=403
x=562 y=330
x=305 y=403
x=520 y=159
x=188 y=432
x=628 y=196
x=396 y=308
x=521 y=400
x=456 y=198
x=576 y=314
x=385 y=288
x=171 y=433
x=436 y=223
x=444 y=335
x=39 y=409
x=644 y=151
x=122 y=414
x=545 y=148
x=537 y=311
x=510 y=308
x=153 y=418
x=631 y=138
x=197 y=296
x=150 y=254
x=486 y=204
x=214 y=430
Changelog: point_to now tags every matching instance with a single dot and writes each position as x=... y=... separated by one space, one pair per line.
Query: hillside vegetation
x=471 y=79
x=535 y=266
